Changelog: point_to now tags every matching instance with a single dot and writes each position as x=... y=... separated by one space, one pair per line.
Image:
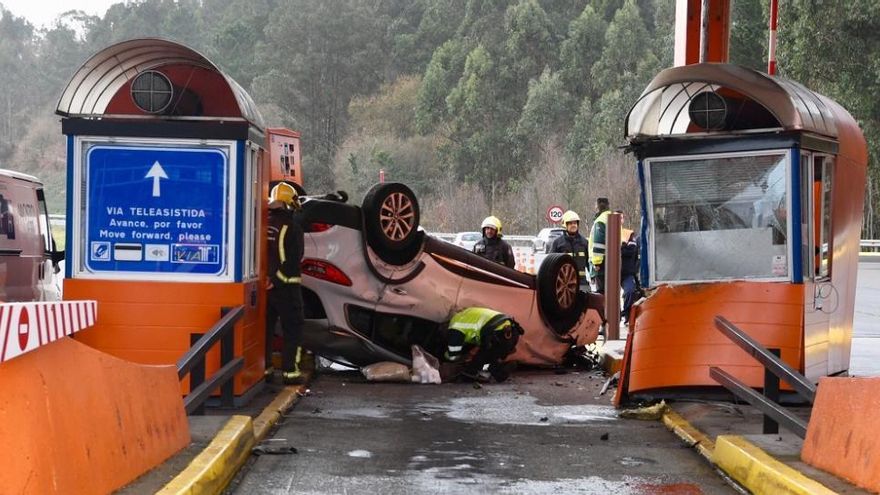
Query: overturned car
x=374 y=284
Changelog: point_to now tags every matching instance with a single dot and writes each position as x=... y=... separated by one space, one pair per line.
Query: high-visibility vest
x=470 y=323
x=597 y=238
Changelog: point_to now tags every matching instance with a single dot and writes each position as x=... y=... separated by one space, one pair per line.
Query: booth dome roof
x=661 y=110
x=95 y=83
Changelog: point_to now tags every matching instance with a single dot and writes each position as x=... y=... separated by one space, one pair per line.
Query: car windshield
x=719 y=218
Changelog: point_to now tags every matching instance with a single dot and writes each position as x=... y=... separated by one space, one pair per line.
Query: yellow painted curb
x=692 y=436
x=759 y=472
x=212 y=470
x=272 y=413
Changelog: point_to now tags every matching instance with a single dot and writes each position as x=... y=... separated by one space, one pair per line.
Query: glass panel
x=827 y=167
x=807 y=232
x=720 y=218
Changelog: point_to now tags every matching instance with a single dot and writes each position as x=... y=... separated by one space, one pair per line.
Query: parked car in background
x=467 y=239
x=374 y=285
x=545 y=238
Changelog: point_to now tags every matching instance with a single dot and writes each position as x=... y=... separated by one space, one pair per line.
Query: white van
x=29 y=261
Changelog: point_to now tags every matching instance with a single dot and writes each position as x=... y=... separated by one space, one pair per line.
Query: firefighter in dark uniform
x=492 y=246
x=573 y=243
x=285 y=236
x=481 y=336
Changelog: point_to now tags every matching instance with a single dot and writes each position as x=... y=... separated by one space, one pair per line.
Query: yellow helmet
x=491 y=221
x=570 y=216
x=284 y=193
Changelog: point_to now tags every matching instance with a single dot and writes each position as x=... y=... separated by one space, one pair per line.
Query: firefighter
x=285 y=246
x=573 y=243
x=481 y=336
x=492 y=246
x=597 y=244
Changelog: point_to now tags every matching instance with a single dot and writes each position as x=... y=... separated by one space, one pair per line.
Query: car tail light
x=318 y=227
x=324 y=271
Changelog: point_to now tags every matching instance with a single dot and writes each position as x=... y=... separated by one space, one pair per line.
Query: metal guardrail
x=869 y=245
x=193 y=363
x=774 y=370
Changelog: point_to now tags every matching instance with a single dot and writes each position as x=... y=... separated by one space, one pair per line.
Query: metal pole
x=771 y=59
x=381 y=175
x=704 y=30
x=612 y=276
x=771 y=392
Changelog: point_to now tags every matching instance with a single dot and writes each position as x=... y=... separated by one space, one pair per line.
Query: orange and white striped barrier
x=26 y=326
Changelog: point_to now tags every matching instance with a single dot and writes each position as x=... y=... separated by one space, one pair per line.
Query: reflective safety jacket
x=597 y=238
x=285 y=236
x=468 y=326
x=577 y=246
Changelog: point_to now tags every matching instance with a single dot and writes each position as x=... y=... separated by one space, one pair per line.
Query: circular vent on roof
x=151 y=91
x=708 y=110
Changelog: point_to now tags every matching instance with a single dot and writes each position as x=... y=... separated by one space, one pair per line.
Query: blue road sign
x=156 y=209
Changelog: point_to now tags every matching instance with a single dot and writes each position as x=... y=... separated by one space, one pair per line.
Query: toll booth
x=752 y=192
x=165 y=203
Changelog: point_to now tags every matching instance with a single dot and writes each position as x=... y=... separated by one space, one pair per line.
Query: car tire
x=391 y=222
x=558 y=292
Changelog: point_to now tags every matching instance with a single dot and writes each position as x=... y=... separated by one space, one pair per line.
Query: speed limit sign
x=554 y=214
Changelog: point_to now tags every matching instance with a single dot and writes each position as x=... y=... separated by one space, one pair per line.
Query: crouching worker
x=477 y=337
x=285 y=302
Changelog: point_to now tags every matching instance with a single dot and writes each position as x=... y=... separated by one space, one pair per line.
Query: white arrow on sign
x=156 y=172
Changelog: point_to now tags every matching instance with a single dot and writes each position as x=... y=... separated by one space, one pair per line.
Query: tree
x=318 y=55
x=748 y=34
x=580 y=51
x=442 y=74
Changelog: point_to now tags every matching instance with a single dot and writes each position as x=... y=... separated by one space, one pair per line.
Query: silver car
x=374 y=285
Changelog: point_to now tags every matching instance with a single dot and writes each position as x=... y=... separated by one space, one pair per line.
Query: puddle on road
x=515 y=409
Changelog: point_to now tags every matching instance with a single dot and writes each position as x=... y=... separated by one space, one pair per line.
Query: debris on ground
x=609 y=382
x=387 y=371
x=604 y=436
x=654 y=412
x=267 y=450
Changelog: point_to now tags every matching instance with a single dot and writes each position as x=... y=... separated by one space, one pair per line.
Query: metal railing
x=193 y=363
x=774 y=370
x=869 y=245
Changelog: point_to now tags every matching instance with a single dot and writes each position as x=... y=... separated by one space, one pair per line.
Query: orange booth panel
x=674 y=340
x=155 y=322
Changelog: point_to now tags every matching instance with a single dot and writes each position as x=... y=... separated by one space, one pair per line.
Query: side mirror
x=57 y=256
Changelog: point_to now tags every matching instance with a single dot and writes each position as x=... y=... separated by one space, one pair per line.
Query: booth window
x=816 y=187
x=823 y=173
x=719 y=217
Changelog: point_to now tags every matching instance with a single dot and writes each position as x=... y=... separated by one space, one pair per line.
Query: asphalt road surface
x=865 y=354
x=537 y=433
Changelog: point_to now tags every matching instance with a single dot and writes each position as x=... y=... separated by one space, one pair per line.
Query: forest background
x=481 y=106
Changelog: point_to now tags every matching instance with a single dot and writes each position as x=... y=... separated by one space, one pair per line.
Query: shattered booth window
x=719 y=218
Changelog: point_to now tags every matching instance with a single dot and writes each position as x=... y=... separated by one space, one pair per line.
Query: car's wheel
x=560 y=302
x=391 y=220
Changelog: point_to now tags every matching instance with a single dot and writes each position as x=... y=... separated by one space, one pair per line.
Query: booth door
x=820 y=296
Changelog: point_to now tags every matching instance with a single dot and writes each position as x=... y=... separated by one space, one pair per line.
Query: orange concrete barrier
x=74 y=420
x=841 y=438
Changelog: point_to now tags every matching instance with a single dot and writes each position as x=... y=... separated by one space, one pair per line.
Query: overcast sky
x=41 y=13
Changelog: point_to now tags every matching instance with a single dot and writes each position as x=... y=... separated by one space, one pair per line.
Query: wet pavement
x=538 y=433
x=866 y=323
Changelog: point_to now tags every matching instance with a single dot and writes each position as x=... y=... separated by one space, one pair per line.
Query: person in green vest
x=481 y=336
x=597 y=244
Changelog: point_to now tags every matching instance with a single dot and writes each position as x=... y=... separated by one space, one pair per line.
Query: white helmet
x=492 y=222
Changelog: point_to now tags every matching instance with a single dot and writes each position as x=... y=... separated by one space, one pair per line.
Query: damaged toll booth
x=166 y=189
x=752 y=192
